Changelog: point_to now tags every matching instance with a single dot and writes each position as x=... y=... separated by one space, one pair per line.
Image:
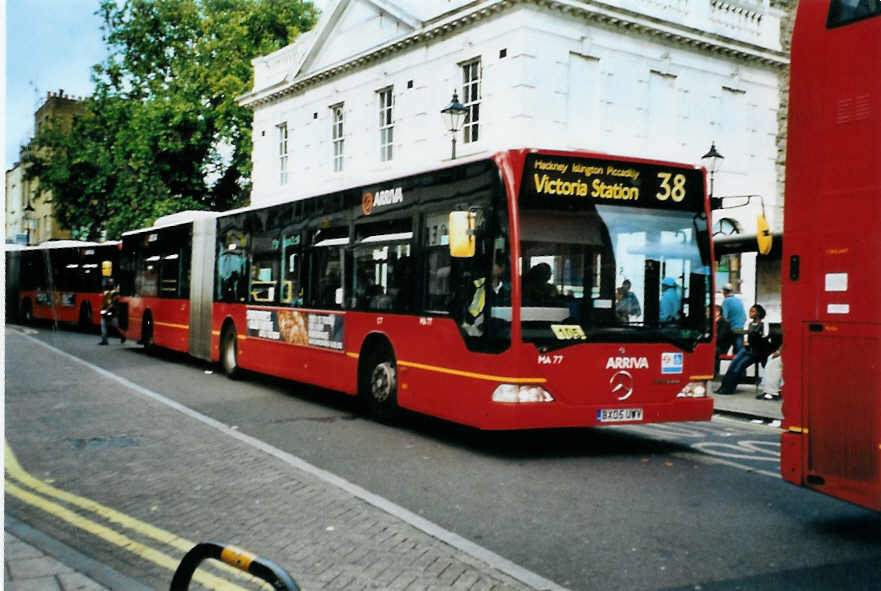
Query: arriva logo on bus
x=370 y=201
x=627 y=363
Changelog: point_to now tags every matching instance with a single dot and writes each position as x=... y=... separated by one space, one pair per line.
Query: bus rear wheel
x=147 y=332
x=229 y=354
x=85 y=320
x=27 y=312
x=379 y=386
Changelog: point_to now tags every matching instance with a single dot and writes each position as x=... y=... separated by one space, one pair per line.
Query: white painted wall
x=565 y=82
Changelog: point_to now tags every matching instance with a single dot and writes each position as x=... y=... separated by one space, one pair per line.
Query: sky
x=51 y=45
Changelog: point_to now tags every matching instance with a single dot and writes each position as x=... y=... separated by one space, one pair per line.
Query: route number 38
x=674 y=190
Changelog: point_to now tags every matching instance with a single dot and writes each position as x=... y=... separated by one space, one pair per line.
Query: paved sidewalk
x=118 y=458
x=744 y=403
x=27 y=568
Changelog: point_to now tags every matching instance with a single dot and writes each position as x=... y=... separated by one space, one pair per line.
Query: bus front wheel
x=380 y=387
x=229 y=355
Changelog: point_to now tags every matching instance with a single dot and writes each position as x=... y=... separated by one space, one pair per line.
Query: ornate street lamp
x=712 y=160
x=453 y=115
x=28 y=216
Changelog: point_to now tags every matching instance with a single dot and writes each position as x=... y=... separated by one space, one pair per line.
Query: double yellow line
x=37 y=493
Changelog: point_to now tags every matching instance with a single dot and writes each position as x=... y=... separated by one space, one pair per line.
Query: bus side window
x=70 y=268
x=327 y=275
x=147 y=277
x=265 y=269
x=291 y=263
x=326 y=267
x=169 y=274
x=438 y=294
x=231 y=265
x=382 y=266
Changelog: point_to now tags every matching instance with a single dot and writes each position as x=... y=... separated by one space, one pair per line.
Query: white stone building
x=360 y=95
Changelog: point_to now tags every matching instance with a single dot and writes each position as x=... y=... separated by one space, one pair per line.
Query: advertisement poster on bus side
x=63 y=299
x=296 y=327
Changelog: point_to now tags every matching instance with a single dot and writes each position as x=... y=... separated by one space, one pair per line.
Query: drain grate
x=104 y=442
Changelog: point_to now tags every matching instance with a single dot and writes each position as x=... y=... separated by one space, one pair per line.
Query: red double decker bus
x=61 y=281
x=528 y=289
x=831 y=289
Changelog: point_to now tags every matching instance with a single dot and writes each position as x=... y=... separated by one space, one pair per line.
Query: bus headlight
x=693 y=390
x=521 y=393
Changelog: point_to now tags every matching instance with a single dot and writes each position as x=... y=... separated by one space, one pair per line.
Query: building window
x=471 y=91
x=337 y=136
x=386 y=124
x=282 y=153
x=728 y=270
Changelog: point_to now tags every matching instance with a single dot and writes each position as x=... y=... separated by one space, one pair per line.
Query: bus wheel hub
x=383 y=381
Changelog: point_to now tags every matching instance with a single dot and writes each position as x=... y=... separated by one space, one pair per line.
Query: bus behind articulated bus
x=529 y=289
x=60 y=281
x=831 y=288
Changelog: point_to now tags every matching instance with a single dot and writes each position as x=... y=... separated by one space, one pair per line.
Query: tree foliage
x=163 y=131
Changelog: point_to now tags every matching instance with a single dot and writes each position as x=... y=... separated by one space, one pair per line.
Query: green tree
x=163 y=131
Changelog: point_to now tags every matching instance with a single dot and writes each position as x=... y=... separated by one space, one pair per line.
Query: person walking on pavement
x=109 y=301
x=755 y=351
x=733 y=312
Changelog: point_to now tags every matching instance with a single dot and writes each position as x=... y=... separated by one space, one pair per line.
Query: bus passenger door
x=843 y=405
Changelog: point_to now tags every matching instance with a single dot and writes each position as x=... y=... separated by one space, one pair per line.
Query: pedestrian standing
x=671 y=301
x=109 y=311
x=734 y=313
x=724 y=338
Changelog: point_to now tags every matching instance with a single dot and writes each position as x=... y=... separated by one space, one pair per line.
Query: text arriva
x=627 y=363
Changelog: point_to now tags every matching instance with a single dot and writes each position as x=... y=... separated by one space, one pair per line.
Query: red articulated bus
x=831 y=289
x=61 y=281
x=156 y=276
x=528 y=289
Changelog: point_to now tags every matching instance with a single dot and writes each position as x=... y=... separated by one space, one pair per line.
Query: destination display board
x=550 y=179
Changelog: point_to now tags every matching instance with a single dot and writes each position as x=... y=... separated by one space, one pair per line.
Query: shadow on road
x=852 y=528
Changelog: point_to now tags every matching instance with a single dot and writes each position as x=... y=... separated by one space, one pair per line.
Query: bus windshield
x=625 y=274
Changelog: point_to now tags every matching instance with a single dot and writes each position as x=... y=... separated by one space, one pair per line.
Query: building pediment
x=353 y=33
x=351 y=27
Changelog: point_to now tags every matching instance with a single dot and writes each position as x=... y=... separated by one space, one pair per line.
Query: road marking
x=717 y=452
x=466 y=546
x=742 y=450
x=15 y=471
x=706 y=459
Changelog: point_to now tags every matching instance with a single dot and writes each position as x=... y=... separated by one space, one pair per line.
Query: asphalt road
x=694 y=506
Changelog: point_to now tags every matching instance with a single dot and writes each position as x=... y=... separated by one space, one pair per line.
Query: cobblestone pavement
x=27 y=568
x=159 y=477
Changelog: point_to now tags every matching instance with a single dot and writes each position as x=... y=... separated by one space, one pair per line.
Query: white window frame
x=386 y=98
x=472 y=92
x=336 y=135
x=282 y=135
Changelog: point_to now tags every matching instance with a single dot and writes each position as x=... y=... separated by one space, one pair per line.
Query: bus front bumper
x=540 y=415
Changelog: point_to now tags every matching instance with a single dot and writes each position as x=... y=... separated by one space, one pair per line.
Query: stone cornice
x=593 y=11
